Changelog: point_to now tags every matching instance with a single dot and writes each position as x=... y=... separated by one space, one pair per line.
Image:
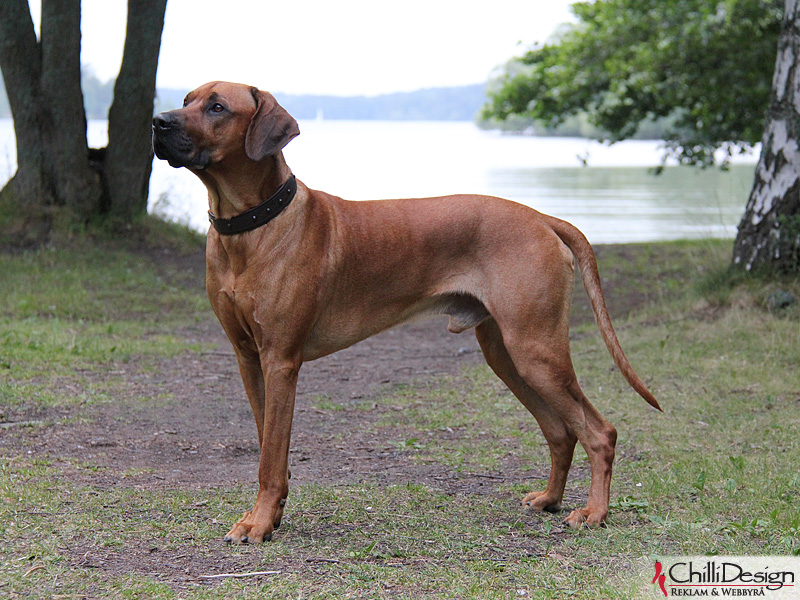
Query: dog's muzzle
x=171 y=143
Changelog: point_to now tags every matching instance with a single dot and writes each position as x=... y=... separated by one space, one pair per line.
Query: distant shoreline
x=460 y=103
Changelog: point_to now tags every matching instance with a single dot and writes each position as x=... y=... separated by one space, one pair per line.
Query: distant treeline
x=97 y=97
x=575 y=126
x=436 y=104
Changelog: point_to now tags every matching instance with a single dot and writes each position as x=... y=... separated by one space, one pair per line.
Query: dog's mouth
x=179 y=152
x=171 y=143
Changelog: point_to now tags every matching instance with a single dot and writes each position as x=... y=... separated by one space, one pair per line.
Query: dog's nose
x=163 y=121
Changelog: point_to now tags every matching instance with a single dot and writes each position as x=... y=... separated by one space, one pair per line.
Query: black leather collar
x=258 y=215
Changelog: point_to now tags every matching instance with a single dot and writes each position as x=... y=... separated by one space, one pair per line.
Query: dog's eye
x=186 y=102
x=217 y=108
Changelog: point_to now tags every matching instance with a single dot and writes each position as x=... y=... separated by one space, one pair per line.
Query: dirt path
x=186 y=421
x=189 y=423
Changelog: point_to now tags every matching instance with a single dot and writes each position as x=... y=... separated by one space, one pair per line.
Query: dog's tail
x=587 y=263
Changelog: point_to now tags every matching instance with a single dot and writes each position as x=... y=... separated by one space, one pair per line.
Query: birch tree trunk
x=769 y=232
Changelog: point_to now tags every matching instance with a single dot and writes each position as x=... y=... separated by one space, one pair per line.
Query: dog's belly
x=332 y=334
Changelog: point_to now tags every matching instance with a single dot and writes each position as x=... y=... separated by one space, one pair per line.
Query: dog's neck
x=245 y=186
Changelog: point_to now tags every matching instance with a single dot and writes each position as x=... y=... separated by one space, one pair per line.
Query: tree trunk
x=43 y=85
x=21 y=61
x=73 y=183
x=129 y=157
x=57 y=172
x=769 y=232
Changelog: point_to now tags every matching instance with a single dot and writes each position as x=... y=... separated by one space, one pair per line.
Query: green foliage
x=705 y=66
x=726 y=286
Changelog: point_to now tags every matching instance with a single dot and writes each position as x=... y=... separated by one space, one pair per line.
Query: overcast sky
x=341 y=47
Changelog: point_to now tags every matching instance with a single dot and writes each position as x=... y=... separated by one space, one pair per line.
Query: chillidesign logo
x=773 y=576
x=660 y=577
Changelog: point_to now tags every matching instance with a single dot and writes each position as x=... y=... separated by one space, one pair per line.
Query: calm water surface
x=614 y=199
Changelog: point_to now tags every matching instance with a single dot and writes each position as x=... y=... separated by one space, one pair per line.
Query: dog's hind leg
x=542 y=359
x=560 y=438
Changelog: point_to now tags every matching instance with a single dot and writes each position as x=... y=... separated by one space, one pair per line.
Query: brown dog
x=327 y=273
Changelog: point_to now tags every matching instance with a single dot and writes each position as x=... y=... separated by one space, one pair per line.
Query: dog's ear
x=270 y=129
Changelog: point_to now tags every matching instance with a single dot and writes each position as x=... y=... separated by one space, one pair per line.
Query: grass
x=716 y=473
x=88 y=304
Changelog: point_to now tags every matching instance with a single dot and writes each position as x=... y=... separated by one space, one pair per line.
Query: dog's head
x=221 y=121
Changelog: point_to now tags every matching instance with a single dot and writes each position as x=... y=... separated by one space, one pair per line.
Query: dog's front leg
x=280 y=382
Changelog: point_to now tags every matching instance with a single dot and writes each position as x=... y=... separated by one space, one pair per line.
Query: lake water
x=615 y=199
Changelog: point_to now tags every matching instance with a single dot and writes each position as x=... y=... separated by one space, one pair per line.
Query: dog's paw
x=584 y=516
x=542 y=501
x=249 y=530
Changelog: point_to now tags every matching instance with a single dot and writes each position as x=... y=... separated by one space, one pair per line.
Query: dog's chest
x=233 y=303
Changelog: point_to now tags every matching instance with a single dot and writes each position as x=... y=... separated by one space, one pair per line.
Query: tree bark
x=129 y=157
x=57 y=172
x=43 y=86
x=769 y=232
x=73 y=183
x=21 y=61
